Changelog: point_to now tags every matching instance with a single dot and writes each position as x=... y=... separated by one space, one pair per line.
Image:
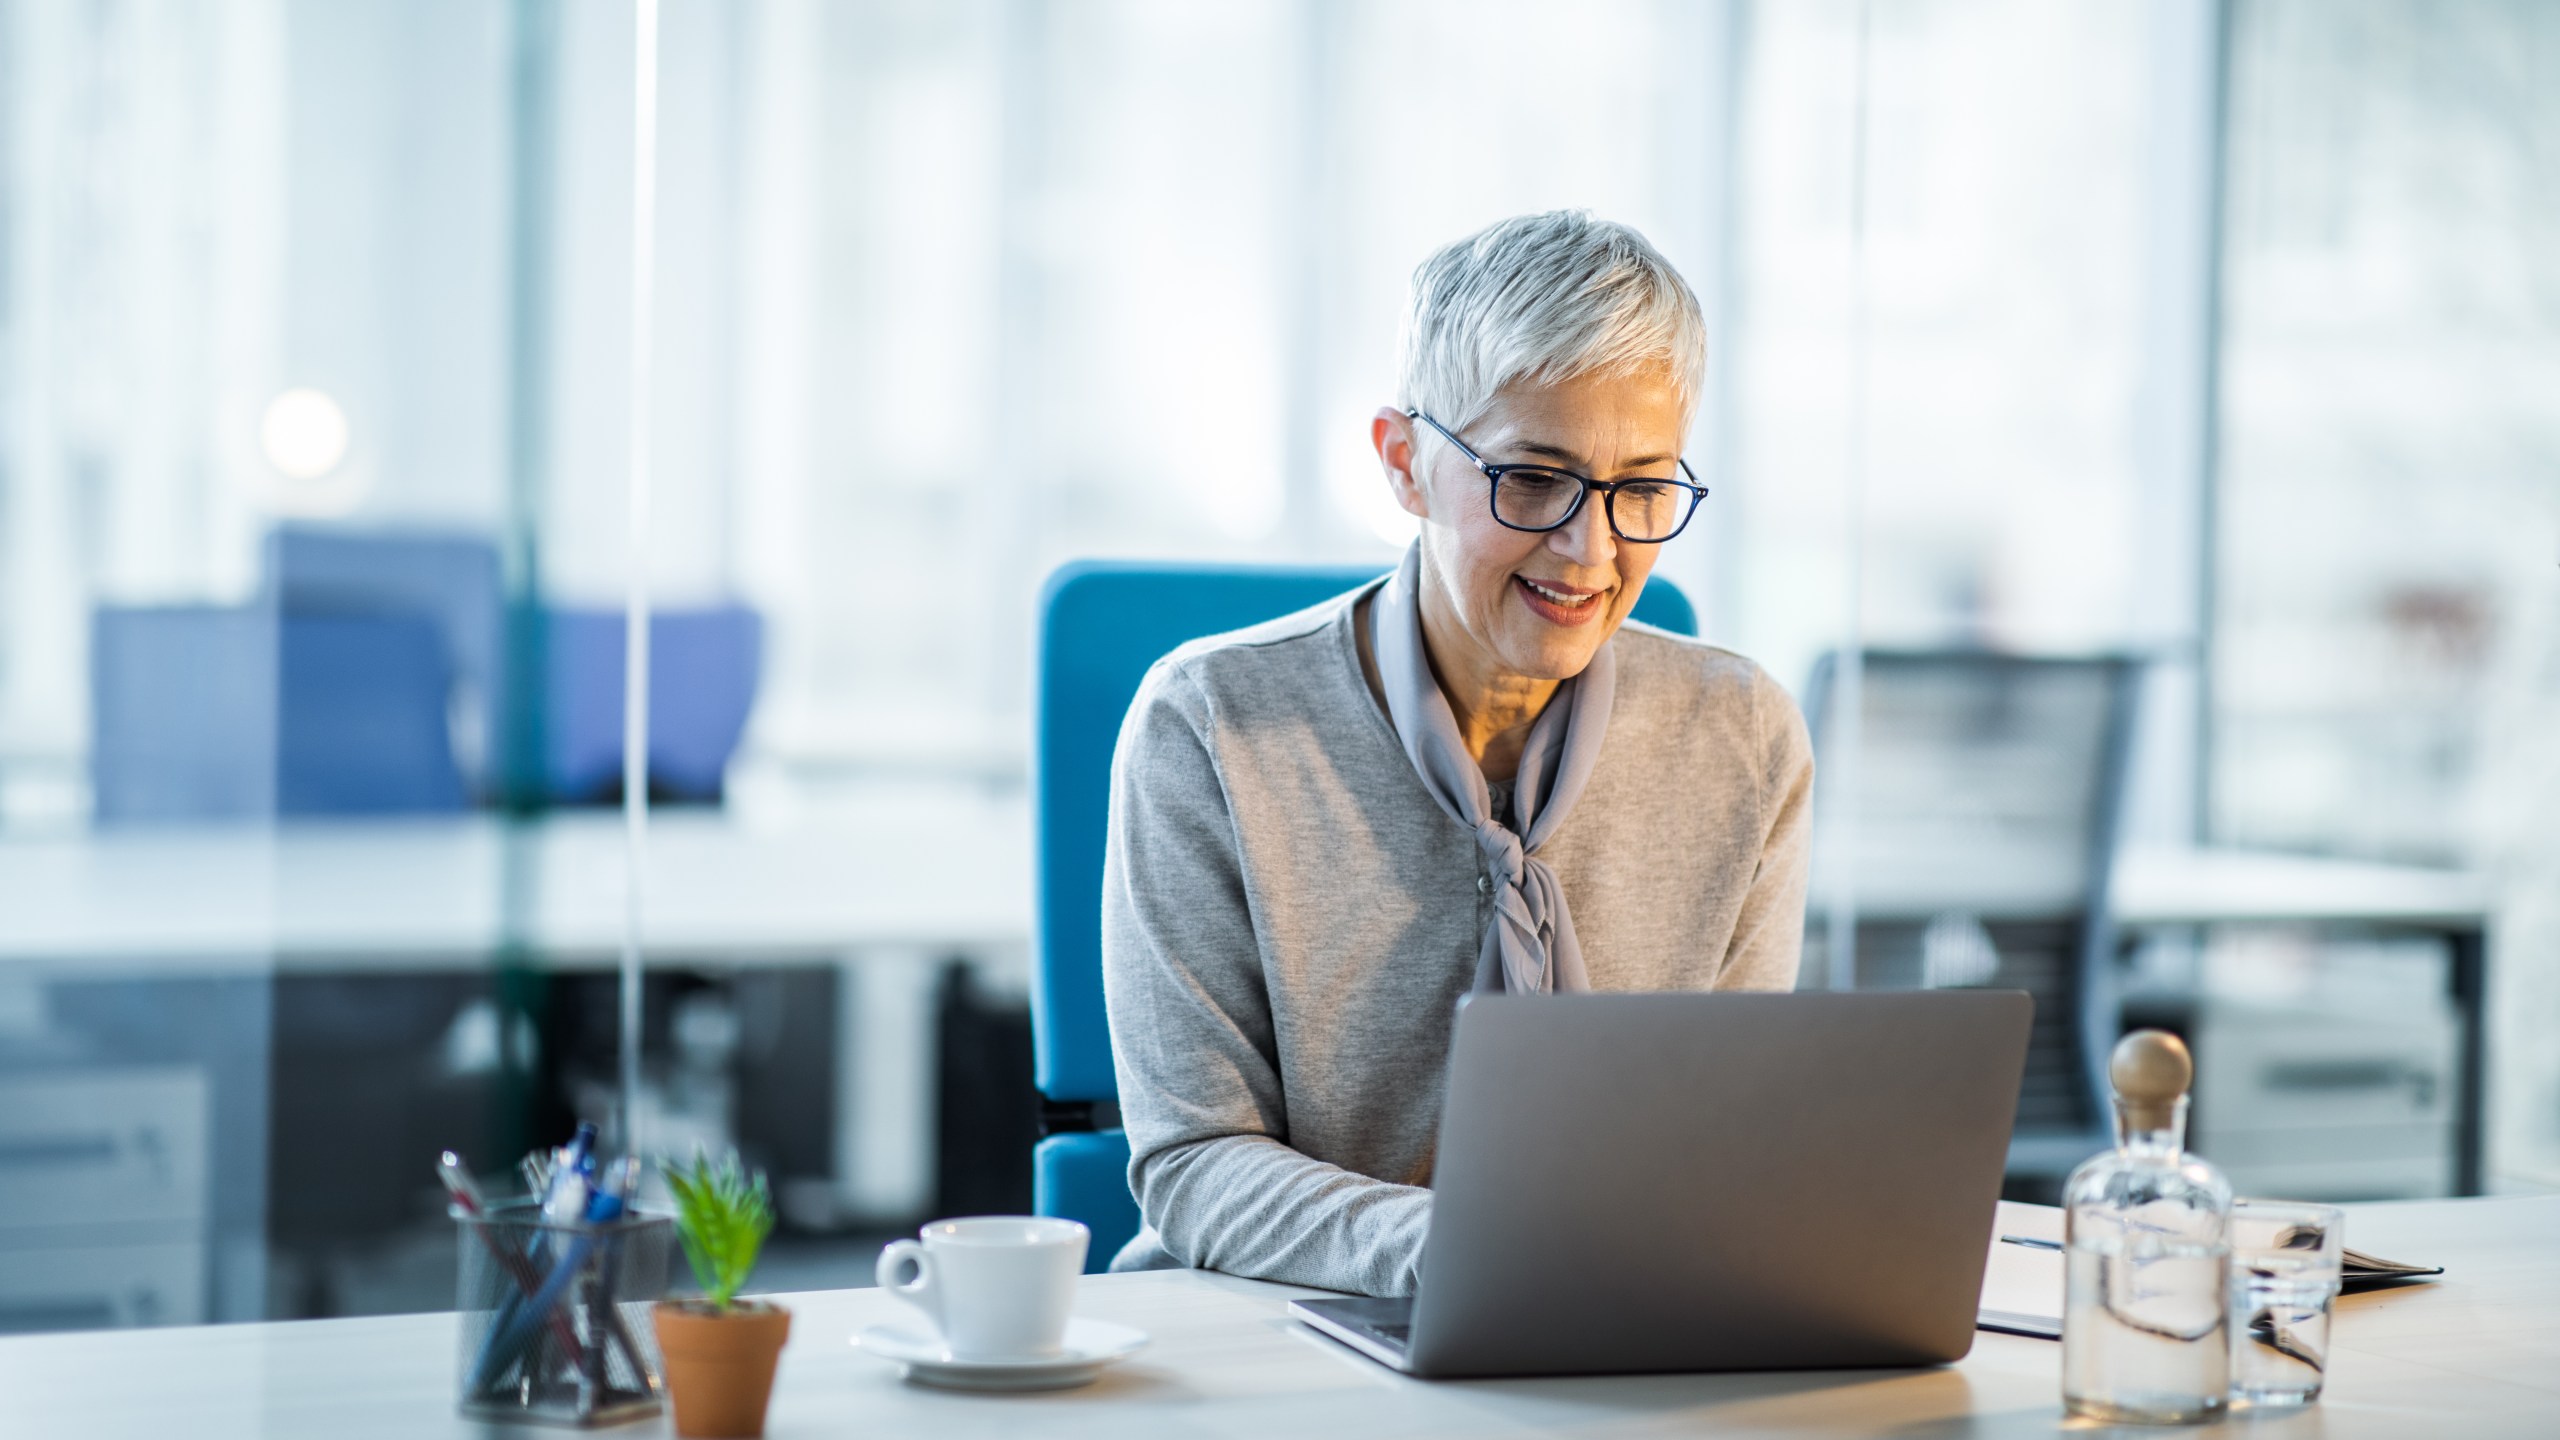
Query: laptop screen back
x=1716 y=1182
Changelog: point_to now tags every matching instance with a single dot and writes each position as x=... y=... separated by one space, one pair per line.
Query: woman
x=1472 y=775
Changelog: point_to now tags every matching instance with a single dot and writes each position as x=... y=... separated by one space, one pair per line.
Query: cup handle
x=920 y=1292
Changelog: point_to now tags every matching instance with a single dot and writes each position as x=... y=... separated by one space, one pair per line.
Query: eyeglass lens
x=1540 y=500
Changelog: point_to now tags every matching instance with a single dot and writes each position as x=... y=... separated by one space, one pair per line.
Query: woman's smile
x=1558 y=603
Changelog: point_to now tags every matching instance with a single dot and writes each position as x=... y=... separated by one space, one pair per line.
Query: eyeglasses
x=1539 y=498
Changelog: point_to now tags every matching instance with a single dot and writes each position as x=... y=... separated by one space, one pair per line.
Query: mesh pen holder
x=555 y=1316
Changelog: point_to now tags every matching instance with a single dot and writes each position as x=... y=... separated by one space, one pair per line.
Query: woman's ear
x=1392 y=433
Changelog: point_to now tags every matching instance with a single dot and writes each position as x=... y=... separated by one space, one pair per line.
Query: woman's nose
x=1586 y=539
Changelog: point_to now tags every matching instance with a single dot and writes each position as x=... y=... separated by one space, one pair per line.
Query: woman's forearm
x=1249 y=1205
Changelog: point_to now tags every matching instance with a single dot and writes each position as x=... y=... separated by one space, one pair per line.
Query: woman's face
x=1535 y=606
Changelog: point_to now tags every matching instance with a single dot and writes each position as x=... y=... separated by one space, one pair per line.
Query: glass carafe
x=2147 y=1256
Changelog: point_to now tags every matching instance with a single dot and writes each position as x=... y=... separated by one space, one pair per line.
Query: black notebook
x=2022 y=1279
x=2359 y=1271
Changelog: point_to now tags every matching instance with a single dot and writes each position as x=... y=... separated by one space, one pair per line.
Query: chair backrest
x=1988 y=793
x=1102 y=624
x=703 y=670
x=366 y=729
x=182 y=713
x=234 y=713
x=452 y=579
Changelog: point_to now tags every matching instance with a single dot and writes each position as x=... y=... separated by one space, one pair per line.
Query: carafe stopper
x=2150 y=1071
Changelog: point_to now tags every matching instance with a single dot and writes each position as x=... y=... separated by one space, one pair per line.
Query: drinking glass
x=2284 y=1281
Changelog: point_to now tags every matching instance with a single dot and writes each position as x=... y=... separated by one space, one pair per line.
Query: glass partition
x=260 y=670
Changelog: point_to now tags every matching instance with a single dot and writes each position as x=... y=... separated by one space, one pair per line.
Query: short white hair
x=1545 y=298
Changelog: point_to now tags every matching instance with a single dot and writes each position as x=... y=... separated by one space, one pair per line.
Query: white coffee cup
x=997 y=1287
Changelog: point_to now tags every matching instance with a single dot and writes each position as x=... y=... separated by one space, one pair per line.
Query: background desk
x=195 y=941
x=949 y=870
x=2477 y=1355
x=2152 y=891
x=2220 y=887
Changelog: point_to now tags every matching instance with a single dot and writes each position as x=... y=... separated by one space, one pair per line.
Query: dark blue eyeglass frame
x=1608 y=490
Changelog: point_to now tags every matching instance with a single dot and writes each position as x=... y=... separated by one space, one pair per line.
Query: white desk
x=2476 y=1355
x=2160 y=887
x=460 y=893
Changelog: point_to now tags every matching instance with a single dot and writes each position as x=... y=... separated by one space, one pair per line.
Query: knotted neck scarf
x=1529 y=946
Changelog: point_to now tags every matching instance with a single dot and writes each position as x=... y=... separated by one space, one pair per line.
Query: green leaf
x=723 y=1214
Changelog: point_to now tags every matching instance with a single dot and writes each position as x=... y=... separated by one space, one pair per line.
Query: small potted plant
x=721 y=1350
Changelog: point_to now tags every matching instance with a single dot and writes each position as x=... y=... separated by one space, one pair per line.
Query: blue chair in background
x=453 y=580
x=337 y=692
x=222 y=713
x=370 y=677
x=1101 y=625
x=363 y=702
x=182 y=713
x=703 y=667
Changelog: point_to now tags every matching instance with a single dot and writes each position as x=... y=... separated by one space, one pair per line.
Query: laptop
x=1632 y=1183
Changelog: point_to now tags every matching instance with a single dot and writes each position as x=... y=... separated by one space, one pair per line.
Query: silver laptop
x=1707 y=1182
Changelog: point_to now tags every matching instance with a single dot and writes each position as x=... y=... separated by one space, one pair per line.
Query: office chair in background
x=1101 y=625
x=451 y=581
x=370 y=677
x=703 y=670
x=217 y=713
x=366 y=678
x=1989 y=792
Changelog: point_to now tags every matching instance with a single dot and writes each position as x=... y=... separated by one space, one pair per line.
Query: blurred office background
x=2135 y=435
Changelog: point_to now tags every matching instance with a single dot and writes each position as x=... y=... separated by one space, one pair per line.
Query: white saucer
x=1090 y=1345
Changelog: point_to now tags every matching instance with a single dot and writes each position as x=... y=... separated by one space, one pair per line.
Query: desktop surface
x=2476 y=1355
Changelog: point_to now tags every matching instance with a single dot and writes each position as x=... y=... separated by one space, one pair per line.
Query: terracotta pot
x=720 y=1365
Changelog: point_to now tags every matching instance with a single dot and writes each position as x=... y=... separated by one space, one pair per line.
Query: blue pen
x=564 y=1199
x=467 y=1201
x=570 y=1168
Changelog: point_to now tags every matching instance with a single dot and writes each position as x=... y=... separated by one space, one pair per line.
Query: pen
x=622 y=1182
x=467 y=1199
x=561 y=1197
x=505 y=1341
x=569 y=1192
x=2031 y=1242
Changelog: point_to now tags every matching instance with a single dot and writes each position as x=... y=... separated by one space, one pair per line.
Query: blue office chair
x=703 y=670
x=364 y=728
x=453 y=580
x=231 y=713
x=182 y=713
x=1101 y=625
